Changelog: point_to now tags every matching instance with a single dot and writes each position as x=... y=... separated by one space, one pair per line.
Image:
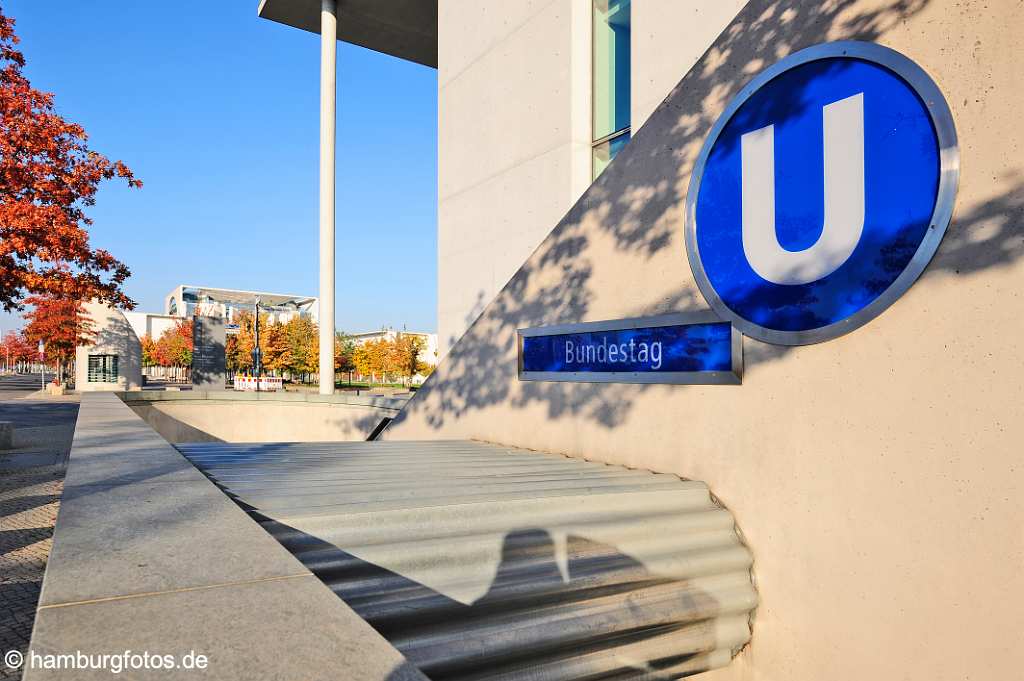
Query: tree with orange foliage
x=175 y=345
x=16 y=349
x=62 y=325
x=48 y=176
x=238 y=346
x=148 y=351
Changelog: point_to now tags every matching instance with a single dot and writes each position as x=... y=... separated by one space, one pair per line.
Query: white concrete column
x=328 y=84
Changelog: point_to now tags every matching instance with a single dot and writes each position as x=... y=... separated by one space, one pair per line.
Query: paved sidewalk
x=31 y=479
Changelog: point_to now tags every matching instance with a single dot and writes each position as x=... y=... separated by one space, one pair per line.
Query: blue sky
x=216 y=111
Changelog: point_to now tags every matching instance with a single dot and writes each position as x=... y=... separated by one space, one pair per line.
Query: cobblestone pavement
x=28 y=509
x=31 y=479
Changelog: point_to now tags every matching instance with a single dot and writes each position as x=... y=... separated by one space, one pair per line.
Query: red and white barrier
x=266 y=383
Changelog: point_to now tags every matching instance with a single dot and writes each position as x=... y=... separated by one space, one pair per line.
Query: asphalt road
x=20 y=385
x=43 y=428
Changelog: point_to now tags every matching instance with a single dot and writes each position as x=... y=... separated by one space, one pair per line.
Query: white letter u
x=843 y=123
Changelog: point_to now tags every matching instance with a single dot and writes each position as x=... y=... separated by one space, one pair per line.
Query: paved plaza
x=31 y=479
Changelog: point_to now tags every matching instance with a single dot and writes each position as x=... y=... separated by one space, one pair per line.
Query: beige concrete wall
x=113 y=336
x=263 y=421
x=877 y=477
x=514 y=84
x=151 y=324
x=667 y=38
x=504 y=132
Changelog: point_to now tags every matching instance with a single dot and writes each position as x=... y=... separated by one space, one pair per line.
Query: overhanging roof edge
x=406 y=29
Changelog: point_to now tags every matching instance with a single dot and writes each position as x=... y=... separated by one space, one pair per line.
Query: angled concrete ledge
x=227 y=416
x=150 y=556
x=381 y=402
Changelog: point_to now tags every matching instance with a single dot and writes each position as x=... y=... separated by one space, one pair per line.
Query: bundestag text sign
x=677 y=348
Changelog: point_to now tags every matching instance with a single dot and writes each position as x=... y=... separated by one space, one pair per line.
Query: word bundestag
x=621 y=353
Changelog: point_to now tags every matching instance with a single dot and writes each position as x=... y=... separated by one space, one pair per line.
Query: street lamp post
x=42 y=365
x=256 y=343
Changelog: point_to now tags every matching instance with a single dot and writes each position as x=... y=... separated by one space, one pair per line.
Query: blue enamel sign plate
x=821 y=193
x=666 y=349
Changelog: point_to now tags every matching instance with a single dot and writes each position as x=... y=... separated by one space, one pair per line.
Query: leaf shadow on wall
x=638 y=209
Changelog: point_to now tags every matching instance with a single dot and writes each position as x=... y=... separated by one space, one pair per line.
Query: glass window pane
x=102 y=369
x=611 y=66
x=606 y=151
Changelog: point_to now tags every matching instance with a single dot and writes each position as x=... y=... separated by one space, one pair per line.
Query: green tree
x=344 y=352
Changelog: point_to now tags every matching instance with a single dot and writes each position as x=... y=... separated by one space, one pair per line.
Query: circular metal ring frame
x=949 y=176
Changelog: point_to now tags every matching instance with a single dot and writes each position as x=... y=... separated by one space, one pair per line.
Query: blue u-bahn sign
x=821 y=193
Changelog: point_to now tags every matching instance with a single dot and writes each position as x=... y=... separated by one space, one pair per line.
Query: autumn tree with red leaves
x=175 y=345
x=16 y=349
x=62 y=325
x=48 y=176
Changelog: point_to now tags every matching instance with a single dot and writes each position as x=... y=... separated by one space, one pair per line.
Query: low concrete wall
x=199 y=416
x=149 y=556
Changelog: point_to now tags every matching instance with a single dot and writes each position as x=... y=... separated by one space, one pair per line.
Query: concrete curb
x=395 y=403
x=149 y=556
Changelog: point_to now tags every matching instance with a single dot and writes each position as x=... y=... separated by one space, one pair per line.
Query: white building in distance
x=151 y=324
x=186 y=300
x=429 y=354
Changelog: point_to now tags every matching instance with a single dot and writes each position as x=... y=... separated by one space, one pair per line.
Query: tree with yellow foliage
x=373 y=358
x=405 y=355
x=277 y=352
x=303 y=342
x=238 y=347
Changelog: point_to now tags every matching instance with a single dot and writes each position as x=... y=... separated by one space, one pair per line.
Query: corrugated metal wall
x=485 y=562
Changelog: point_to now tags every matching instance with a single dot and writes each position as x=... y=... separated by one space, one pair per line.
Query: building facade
x=534 y=100
x=151 y=324
x=186 y=301
x=113 y=358
x=875 y=476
